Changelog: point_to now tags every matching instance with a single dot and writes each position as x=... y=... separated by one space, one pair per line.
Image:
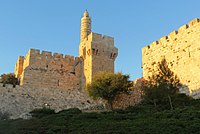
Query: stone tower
x=98 y=51
x=85 y=25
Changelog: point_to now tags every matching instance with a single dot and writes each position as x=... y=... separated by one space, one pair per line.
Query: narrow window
x=111 y=55
x=84 y=52
x=97 y=52
x=114 y=55
x=61 y=65
x=58 y=83
x=93 y=51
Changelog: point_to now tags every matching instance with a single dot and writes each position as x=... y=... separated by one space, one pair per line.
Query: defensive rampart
x=47 y=70
x=181 y=49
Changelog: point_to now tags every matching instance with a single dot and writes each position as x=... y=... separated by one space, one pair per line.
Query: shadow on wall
x=125 y=100
x=163 y=74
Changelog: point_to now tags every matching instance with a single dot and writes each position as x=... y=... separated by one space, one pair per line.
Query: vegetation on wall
x=9 y=79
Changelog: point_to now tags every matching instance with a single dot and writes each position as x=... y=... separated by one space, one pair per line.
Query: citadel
x=58 y=79
x=42 y=69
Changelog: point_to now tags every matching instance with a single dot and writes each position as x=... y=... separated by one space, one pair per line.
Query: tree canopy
x=9 y=79
x=107 y=85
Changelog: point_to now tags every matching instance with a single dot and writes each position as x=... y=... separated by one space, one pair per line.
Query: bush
x=38 y=113
x=70 y=111
x=4 y=116
x=9 y=79
x=107 y=86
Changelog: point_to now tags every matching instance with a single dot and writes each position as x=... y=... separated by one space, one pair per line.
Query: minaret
x=97 y=51
x=85 y=25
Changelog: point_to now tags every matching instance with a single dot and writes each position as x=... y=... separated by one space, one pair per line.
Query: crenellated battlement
x=194 y=22
x=174 y=35
x=34 y=51
x=95 y=37
x=46 y=53
x=37 y=55
x=21 y=57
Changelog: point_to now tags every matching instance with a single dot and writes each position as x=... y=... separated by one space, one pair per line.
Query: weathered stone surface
x=181 y=49
x=49 y=71
x=20 y=101
x=126 y=100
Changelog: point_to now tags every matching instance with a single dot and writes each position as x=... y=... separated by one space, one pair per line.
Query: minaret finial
x=86 y=14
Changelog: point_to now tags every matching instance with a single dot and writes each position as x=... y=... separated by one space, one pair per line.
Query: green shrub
x=4 y=116
x=38 y=113
x=107 y=86
x=70 y=111
x=9 y=79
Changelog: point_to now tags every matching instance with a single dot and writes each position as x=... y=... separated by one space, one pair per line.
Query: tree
x=9 y=79
x=162 y=87
x=107 y=85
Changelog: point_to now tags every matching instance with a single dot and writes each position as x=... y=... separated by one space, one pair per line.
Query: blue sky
x=54 y=25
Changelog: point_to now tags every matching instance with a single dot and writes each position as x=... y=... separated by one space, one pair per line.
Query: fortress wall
x=181 y=49
x=44 y=69
x=34 y=77
x=19 y=101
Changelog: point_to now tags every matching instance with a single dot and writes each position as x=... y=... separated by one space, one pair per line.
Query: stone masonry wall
x=99 y=54
x=51 y=71
x=104 y=53
x=125 y=100
x=181 y=49
x=19 y=101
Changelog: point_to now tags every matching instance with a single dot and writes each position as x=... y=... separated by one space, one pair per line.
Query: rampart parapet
x=174 y=35
x=95 y=37
x=36 y=56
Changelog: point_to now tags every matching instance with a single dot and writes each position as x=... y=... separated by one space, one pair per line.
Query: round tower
x=85 y=25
